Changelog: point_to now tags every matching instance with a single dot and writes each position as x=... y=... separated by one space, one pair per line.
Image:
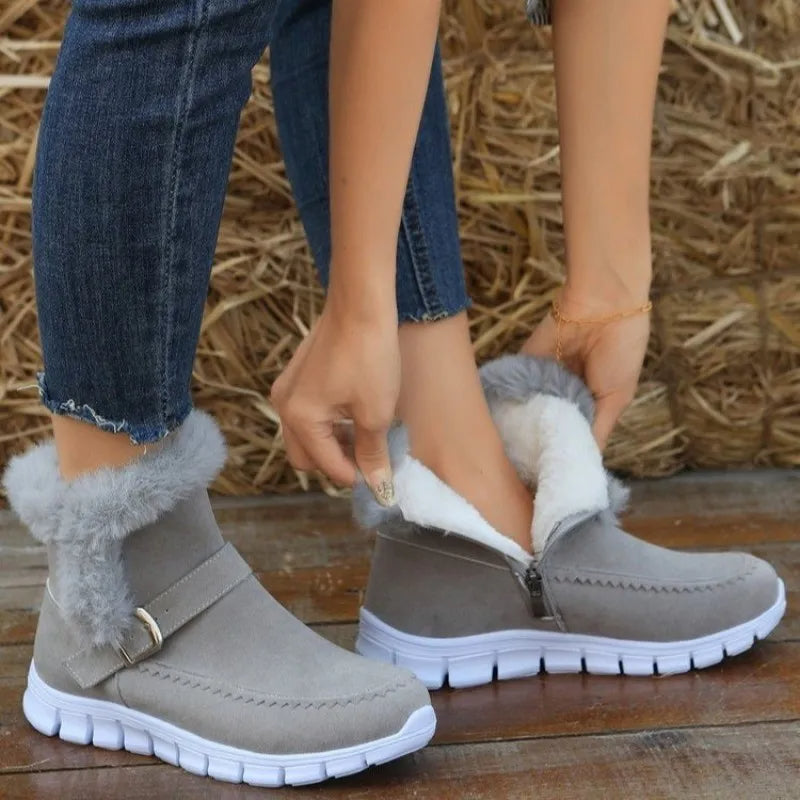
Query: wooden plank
x=14 y=660
x=761 y=685
x=18 y=626
x=333 y=592
x=267 y=533
x=760 y=760
x=731 y=508
x=717 y=509
x=710 y=493
x=315 y=595
x=726 y=532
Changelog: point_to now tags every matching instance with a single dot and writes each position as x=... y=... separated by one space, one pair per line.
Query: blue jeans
x=134 y=152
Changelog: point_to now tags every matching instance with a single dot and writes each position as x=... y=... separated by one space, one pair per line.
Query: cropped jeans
x=134 y=152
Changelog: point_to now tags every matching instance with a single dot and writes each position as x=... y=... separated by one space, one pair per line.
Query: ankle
x=488 y=481
x=83 y=448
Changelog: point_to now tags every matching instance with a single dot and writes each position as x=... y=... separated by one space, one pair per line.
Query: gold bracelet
x=555 y=311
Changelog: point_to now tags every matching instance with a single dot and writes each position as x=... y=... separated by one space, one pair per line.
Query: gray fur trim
x=519 y=377
x=539 y=12
x=618 y=494
x=85 y=521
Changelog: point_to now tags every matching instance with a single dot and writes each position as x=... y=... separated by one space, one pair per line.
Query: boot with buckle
x=155 y=636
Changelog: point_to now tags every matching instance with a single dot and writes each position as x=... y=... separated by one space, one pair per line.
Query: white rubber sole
x=475 y=660
x=114 y=727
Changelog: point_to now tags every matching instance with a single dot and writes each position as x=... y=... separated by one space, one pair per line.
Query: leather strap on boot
x=162 y=616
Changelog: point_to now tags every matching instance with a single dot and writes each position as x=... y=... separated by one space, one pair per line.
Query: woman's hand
x=348 y=367
x=608 y=356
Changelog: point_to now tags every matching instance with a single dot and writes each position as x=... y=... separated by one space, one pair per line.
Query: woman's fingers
x=318 y=445
x=310 y=441
x=372 y=458
x=318 y=442
x=344 y=370
x=295 y=452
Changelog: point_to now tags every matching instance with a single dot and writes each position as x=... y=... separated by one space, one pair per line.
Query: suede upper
x=244 y=672
x=597 y=580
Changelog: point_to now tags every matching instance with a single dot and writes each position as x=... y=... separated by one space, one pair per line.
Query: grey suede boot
x=472 y=604
x=154 y=635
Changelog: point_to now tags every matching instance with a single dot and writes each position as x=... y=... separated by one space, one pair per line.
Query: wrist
x=365 y=302
x=606 y=290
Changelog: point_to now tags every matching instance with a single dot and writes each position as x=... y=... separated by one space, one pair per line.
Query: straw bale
x=721 y=383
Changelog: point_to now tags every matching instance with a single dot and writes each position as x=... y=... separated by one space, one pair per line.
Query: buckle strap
x=162 y=616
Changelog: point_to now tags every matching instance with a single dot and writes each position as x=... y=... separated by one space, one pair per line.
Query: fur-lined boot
x=454 y=600
x=155 y=636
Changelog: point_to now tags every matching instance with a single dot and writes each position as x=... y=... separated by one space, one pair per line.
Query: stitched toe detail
x=263 y=720
x=601 y=581
x=249 y=696
x=667 y=584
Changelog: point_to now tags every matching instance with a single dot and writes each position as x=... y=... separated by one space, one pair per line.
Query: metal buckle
x=151 y=626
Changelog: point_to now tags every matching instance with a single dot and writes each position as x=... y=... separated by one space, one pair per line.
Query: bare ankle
x=489 y=482
x=451 y=430
x=82 y=447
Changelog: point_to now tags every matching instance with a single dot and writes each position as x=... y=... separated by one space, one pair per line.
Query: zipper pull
x=529 y=580
x=533 y=581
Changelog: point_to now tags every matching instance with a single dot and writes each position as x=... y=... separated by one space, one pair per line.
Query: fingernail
x=383 y=489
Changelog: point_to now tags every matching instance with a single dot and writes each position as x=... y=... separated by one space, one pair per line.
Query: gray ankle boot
x=472 y=604
x=154 y=635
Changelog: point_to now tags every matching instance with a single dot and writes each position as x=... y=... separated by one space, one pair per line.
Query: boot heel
x=41 y=715
x=55 y=713
x=373 y=643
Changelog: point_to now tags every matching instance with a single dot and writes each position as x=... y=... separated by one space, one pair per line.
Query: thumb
x=608 y=410
x=372 y=458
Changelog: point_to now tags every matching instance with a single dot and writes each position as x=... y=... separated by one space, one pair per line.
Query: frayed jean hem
x=427 y=316
x=138 y=432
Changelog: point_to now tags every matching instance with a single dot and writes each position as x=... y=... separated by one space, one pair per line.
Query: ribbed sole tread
x=482 y=658
x=113 y=727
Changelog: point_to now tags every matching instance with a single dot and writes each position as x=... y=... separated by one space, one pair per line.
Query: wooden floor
x=732 y=731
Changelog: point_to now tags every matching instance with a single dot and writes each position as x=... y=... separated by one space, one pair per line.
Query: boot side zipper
x=529 y=576
x=533 y=580
x=529 y=580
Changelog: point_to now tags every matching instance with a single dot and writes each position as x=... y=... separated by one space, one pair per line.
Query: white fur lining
x=543 y=413
x=426 y=500
x=550 y=443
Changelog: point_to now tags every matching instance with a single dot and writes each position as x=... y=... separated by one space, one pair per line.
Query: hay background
x=721 y=384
